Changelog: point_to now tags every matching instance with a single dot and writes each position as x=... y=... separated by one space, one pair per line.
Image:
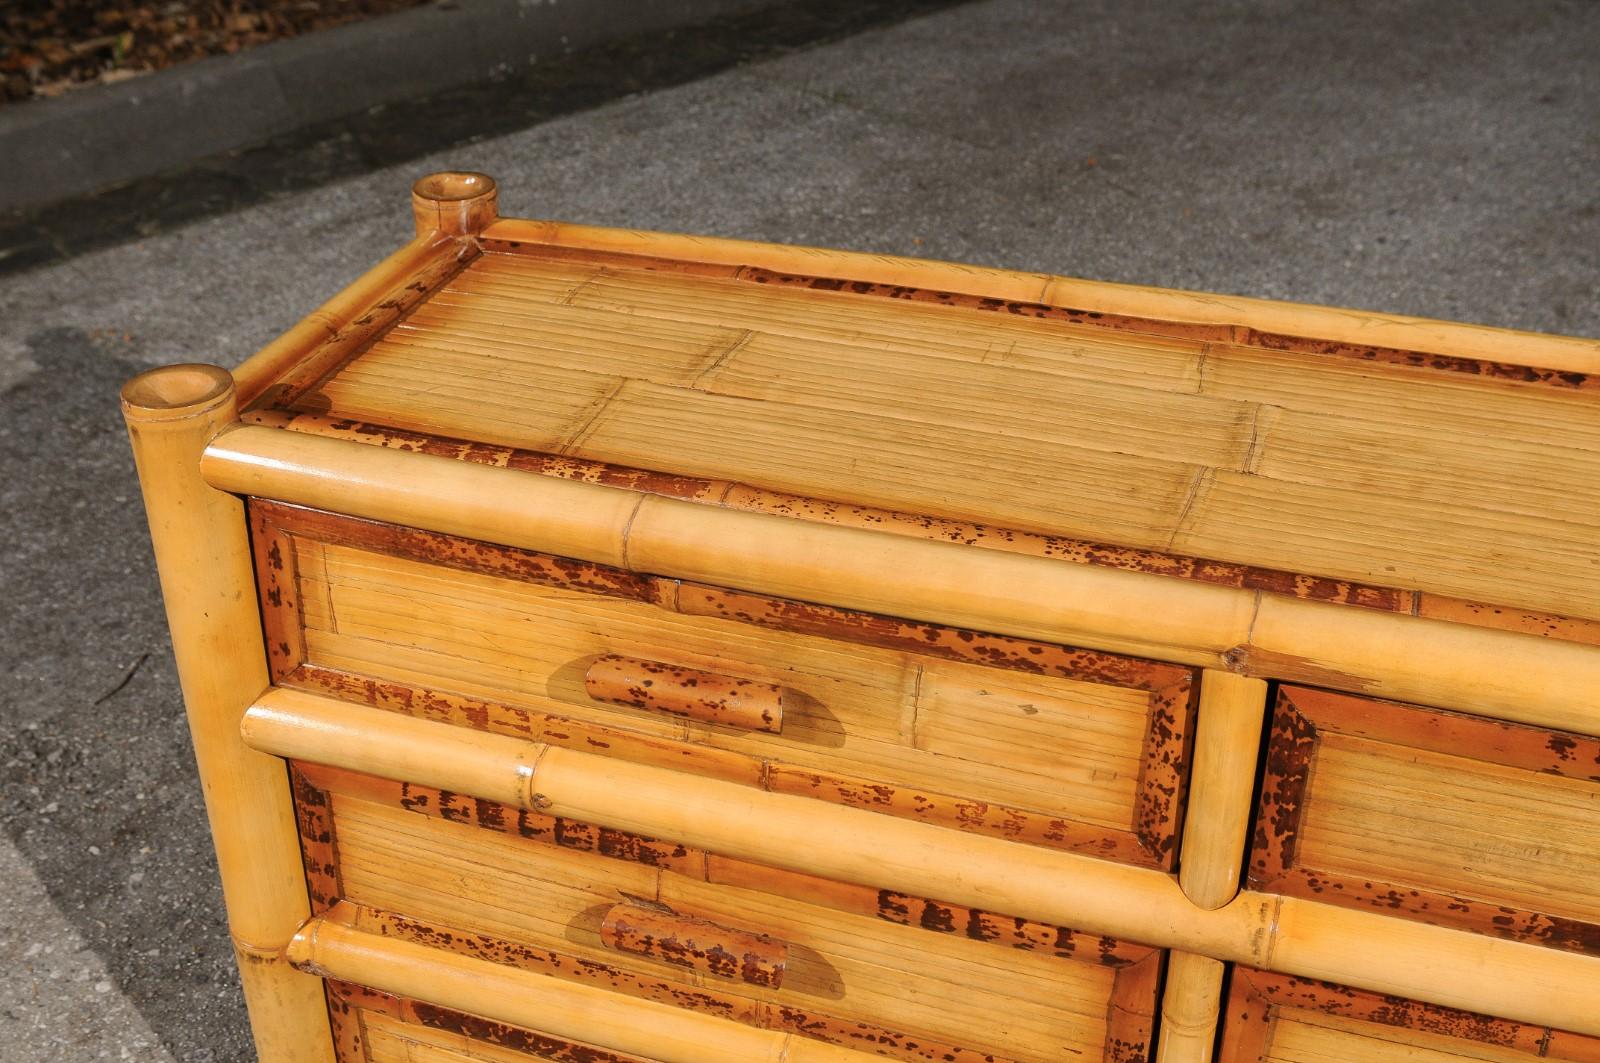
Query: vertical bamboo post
x=1227 y=745
x=460 y=203
x=1190 y=1008
x=203 y=558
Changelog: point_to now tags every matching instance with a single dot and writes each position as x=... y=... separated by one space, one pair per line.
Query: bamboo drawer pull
x=654 y=930
x=686 y=692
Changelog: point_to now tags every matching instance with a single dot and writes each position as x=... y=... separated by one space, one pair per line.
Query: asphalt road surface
x=1434 y=158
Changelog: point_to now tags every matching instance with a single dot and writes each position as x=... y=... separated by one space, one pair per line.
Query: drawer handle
x=686 y=692
x=654 y=930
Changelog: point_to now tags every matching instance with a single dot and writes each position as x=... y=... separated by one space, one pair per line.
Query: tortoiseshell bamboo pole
x=1473 y=972
x=331 y=946
x=1190 y=1008
x=1366 y=328
x=1512 y=676
x=203 y=558
x=1226 y=747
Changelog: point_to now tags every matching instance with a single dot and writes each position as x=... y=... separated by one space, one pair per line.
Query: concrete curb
x=95 y=138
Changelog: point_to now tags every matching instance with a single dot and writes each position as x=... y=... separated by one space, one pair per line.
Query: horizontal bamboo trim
x=1365 y=328
x=798 y=833
x=330 y=947
x=1360 y=949
x=266 y=366
x=1509 y=675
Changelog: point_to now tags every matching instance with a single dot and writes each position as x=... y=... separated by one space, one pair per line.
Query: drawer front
x=1068 y=748
x=1436 y=816
x=902 y=977
x=1274 y=1018
x=373 y=1027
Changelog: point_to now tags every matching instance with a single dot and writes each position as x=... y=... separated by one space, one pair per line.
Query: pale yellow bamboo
x=203 y=558
x=1190 y=1007
x=265 y=366
x=1541 y=350
x=1226 y=746
x=1365 y=950
x=829 y=840
x=1458 y=969
x=569 y=1010
x=1508 y=675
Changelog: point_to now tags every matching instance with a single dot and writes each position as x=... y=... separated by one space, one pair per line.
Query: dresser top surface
x=1424 y=471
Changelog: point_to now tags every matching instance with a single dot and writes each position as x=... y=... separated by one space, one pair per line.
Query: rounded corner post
x=202 y=551
x=455 y=202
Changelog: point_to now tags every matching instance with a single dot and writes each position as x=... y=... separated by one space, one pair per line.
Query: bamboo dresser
x=611 y=646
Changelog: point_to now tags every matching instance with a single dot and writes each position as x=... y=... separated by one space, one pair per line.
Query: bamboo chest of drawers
x=612 y=646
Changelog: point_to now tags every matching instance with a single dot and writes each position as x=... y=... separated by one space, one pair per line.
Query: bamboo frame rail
x=1368 y=951
x=1211 y=859
x=1513 y=676
x=270 y=363
x=202 y=554
x=1358 y=327
x=1190 y=1008
x=331 y=947
x=1227 y=745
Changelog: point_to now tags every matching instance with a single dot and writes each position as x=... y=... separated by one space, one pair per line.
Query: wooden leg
x=203 y=557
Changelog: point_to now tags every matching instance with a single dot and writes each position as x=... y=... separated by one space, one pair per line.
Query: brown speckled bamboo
x=659 y=933
x=202 y=553
x=1506 y=674
x=1306 y=938
x=655 y=686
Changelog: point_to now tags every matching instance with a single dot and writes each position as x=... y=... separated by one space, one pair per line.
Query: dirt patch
x=49 y=47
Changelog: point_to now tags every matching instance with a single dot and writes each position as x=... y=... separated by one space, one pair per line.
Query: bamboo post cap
x=175 y=392
x=459 y=202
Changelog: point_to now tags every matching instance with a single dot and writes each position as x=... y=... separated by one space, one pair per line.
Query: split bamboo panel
x=1478 y=824
x=1069 y=748
x=329 y=947
x=1032 y=421
x=332 y=321
x=1452 y=968
x=1510 y=675
x=542 y=895
x=390 y=1039
x=203 y=557
x=1350 y=326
